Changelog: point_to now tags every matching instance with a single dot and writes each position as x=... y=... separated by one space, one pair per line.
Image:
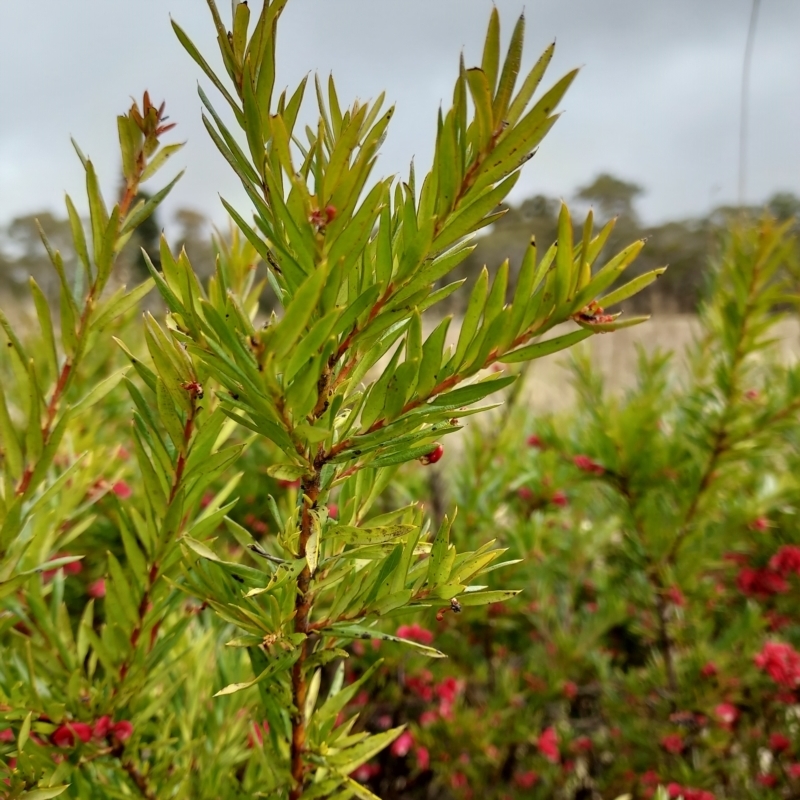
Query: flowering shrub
x=133 y=584
x=656 y=642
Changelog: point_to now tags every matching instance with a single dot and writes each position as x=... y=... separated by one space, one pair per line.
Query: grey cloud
x=656 y=101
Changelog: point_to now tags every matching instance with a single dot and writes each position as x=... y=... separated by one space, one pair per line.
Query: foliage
x=130 y=592
x=657 y=637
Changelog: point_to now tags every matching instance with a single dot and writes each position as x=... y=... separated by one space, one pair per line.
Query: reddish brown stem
x=310 y=489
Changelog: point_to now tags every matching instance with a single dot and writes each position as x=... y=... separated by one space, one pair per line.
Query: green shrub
x=137 y=611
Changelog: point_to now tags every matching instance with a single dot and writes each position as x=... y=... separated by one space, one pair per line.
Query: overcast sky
x=656 y=102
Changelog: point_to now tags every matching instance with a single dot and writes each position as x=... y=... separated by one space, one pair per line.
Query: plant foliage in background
x=139 y=679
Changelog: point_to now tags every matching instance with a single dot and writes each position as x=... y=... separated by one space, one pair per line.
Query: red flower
x=650 y=778
x=761 y=582
x=416 y=633
x=786 y=560
x=767 y=780
x=65 y=735
x=570 y=690
x=535 y=441
x=759 y=524
x=709 y=670
x=781 y=662
x=673 y=743
x=7 y=735
x=122 y=730
x=458 y=780
x=587 y=465
x=675 y=596
x=402 y=745
x=256 y=737
x=548 y=744
x=526 y=780
x=101 y=727
x=794 y=770
x=559 y=499
x=727 y=714
x=420 y=685
x=525 y=493
x=778 y=742
x=73 y=568
x=582 y=745
x=122 y=490
x=333 y=511
x=97 y=589
x=423 y=758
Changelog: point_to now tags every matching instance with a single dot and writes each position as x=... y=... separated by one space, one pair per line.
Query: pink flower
x=794 y=770
x=559 y=499
x=570 y=690
x=786 y=560
x=535 y=441
x=402 y=744
x=7 y=735
x=122 y=730
x=781 y=662
x=759 y=524
x=416 y=633
x=672 y=743
x=778 y=742
x=525 y=493
x=548 y=744
x=333 y=511
x=526 y=780
x=101 y=727
x=122 y=490
x=423 y=758
x=727 y=714
x=587 y=465
x=428 y=718
x=97 y=589
x=366 y=772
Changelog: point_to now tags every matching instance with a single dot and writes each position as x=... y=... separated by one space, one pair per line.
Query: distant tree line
x=684 y=245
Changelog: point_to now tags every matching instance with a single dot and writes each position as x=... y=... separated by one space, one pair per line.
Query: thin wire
x=748 y=57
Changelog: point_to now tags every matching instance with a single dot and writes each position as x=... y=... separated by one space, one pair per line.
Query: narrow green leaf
x=631 y=288
x=508 y=77
x=540 y=349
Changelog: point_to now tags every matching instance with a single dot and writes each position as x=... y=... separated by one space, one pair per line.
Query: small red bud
x=122 y=730
x=97 y=589
x=330 y=213
x=433 y=456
